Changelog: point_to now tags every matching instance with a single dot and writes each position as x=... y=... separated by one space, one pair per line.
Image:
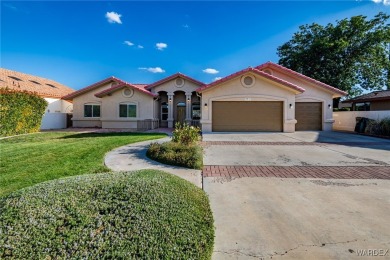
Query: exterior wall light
x=170 y=100
x=188 y=99
x=329 y=106
x=205 y=104
x=291 y=106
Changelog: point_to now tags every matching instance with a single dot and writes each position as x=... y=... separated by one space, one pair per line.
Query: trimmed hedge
x=147 y=214
x=20 y=112
x=172 y=153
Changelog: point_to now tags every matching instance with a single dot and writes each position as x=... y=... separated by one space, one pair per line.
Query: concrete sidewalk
x=132 y=157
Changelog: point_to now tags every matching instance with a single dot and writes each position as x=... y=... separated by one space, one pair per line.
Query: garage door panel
x=308 y=116
x=247 y=116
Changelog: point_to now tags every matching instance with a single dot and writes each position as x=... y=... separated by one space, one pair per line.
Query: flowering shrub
x=185 y=134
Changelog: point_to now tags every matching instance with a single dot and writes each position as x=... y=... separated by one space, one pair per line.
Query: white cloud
x=140 y=46
x=385 y=2
x=11 y=7
x=153 y=70
x=217 y=78
x=210 y=71
x=129 y=43
x=186 y=26
x=113 y=17
x=161 y=46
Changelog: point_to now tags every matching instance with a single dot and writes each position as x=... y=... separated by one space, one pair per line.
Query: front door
x=181 y=114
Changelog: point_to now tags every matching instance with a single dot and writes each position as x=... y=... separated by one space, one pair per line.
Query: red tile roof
x=140 y=87
x=176 y=75
x=256 y=71
x=25 y=82
x=91 y=87
x=123 y=85
x=275 y=66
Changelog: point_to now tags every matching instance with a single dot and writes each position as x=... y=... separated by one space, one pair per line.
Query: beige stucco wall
x=313 y=93
x=263 y=90
x=110 y=109
x=346 y=120
x=78 y=108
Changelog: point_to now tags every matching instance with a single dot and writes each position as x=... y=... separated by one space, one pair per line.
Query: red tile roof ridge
x=278 y=66
x=250 y=69
x=178 y=74
x=122 y=85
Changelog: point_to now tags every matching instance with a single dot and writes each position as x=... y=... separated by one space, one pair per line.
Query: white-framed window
x=128 y=110
x=91 y=110
x=196 y=111
x=164 y=111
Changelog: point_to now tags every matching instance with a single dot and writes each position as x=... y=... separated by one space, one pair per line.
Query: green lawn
x=31 y=159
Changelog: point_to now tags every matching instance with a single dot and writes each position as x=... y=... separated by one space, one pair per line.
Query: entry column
x=188 y=108
x=170 y=109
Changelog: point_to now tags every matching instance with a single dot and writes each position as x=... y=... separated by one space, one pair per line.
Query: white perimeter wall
x=53 y=121
x=55 y=114
x=346 y=120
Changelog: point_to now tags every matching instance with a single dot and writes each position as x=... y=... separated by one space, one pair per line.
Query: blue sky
x=80 y=42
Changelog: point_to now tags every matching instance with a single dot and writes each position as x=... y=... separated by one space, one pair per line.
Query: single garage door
x=309 y=116
x=247 y=116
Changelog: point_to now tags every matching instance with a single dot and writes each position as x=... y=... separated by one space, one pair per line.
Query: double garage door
x=262 y=116
x=247 y=116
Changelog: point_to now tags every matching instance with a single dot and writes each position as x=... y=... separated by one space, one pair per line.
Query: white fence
x=346 y=120
x=53 y=121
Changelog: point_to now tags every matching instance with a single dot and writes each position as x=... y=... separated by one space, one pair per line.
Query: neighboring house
x=374 y=101
x=343 y=104
x=265 y=98
x=51 y=91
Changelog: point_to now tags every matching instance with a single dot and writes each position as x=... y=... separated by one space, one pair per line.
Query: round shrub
x=147 y=214
x=178 y=154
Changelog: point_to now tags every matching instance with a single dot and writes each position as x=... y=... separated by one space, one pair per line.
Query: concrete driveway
x=299 y=218
x=296 y=149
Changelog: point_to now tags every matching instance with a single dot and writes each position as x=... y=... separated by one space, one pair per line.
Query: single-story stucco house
x=55 y=116
x=268 y=97
x=375 y=101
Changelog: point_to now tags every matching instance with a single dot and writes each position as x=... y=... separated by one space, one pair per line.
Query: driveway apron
x=304 y=195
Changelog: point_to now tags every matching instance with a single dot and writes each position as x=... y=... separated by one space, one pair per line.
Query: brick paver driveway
x=305 y=195
x=317 y=155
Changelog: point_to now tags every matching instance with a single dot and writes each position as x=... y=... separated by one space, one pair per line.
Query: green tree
x=352 y=55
